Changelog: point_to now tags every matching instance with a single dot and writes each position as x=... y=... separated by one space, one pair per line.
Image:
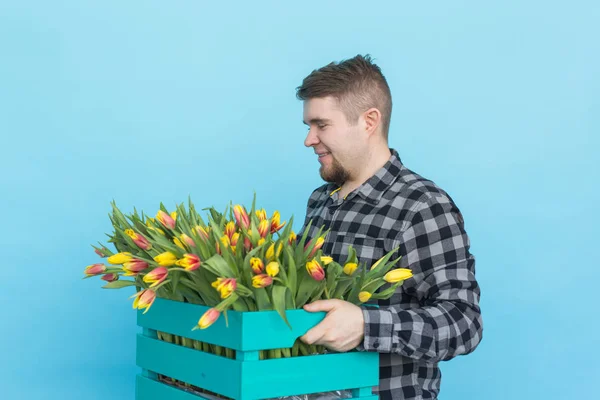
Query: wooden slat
x=214 y=373
x=309 y=374
x=249 y=331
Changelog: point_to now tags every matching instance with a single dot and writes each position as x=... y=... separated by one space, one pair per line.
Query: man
x=374 y=203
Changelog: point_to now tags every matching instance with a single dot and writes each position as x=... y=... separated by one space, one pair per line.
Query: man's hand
x=341 y=330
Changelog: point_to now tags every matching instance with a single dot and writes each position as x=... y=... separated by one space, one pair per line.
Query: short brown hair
x=357 y=84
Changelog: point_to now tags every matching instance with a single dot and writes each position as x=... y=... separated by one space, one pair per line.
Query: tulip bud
x=99 y=252
x=230 y=229
x=257 y=265
x=247 y=243
x=174 y=215
x=270 y=255
x=189 y=262
x=110 y=277
x=377 y=263
x=165 y=219
x=134 y=267
x=138 y=239
x=120 y=258
x=261 y=281
x=95 y=269
x=273 y=268
x=208 y=318
x=397 y=275
x=156 y=276
x=364 y=296
x=225 y=286
x=261 y=214
x=178 y=243
x=202 y=232
x=144 y=299
x=292 y=238
x=318 y=245
x=166 y=259
x=350 y=267
x=188 y=240
x=315 y=270
x=275 y=224
x=241 y=216
x=326 y=260
x=261 y=241
x=263 y=228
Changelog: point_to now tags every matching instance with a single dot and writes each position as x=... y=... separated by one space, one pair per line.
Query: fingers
x=321 y=305
x=314 y=335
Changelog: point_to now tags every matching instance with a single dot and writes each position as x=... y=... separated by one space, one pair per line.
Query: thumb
x=321 y=305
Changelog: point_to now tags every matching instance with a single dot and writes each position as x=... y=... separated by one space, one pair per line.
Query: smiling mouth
x=321 y=155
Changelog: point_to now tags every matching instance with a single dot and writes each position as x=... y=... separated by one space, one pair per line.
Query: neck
x=372 y=163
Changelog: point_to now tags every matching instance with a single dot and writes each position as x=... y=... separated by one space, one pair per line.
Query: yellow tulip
x=166 y=259
x=326 y=260
x=350 y=267
x=364 y=296
x=225 y=286
x=120 y=258
x=397 y=275
x=272 y=268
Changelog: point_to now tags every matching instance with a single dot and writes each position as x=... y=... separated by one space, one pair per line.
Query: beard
x=334 y=173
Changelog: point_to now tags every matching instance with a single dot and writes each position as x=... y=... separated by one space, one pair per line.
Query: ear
x=372 y=120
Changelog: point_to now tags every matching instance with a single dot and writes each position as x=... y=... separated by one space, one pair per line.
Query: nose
x=311 y=139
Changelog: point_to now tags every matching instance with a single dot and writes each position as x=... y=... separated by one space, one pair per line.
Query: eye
x=322 y=126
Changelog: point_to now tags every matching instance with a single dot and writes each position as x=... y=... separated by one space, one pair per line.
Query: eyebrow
x=317 y=121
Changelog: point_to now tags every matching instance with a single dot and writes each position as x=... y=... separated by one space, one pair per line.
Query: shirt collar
x=374 y=188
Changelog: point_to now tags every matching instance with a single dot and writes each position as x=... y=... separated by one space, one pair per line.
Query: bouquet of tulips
x=238 y=259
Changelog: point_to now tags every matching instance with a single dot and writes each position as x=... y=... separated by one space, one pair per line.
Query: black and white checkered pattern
x=435 y=315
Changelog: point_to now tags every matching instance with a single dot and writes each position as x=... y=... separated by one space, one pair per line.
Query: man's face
x=337 y=144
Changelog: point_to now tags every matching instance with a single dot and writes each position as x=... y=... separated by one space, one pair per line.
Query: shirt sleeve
x=447 y=322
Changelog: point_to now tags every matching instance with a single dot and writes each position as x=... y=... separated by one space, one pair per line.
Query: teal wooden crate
x=245 y=377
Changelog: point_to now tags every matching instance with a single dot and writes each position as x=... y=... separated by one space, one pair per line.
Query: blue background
x=148 y=101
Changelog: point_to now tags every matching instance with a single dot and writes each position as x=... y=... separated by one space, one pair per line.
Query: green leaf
x=291 y=273
x=279 y=296
x=118 y=284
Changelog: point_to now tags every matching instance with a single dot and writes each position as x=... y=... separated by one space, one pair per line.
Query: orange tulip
x=318 y=245
x=190 y=262
x=241 y=216
x=138 y=239
x=292 y=238
x=275 y=222
x=261 y=214
x=225 y=286
x=110 y=277
x=261 y=281
x=144 y=299
x=257 y=265
x=95 y=269
x=165 y=219
x=202 y=232
x=230 y=229
x=134 y=267
x=208 y=318
x=315 y=270
x=156 y=276
x=263 y=228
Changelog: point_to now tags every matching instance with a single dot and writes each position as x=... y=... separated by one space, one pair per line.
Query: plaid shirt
x=433 y=316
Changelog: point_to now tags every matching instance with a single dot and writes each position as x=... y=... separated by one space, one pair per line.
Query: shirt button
x=331 y=211
x=376 y=345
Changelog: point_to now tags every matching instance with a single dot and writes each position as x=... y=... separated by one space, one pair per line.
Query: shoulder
x=420 y=194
